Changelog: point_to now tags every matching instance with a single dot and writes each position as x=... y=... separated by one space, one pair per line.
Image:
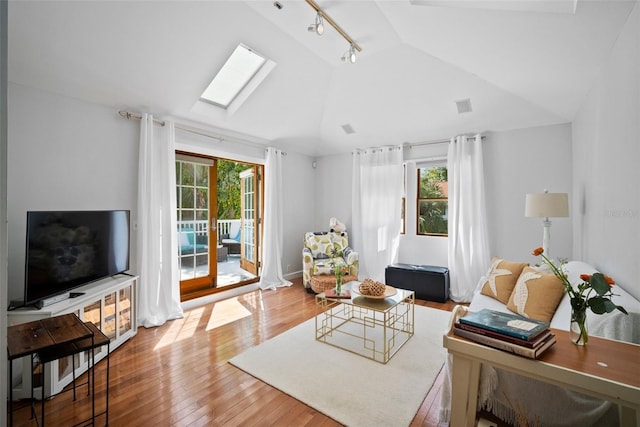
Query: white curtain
x=376 y=205
x=158 y=287
x=468 y=236
x=271 y=275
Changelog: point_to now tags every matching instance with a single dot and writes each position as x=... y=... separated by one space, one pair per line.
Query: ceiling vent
x=464 y=106
x=348 y=129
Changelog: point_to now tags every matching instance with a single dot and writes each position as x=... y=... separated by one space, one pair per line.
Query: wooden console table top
x=31 y=337
x=609 y=359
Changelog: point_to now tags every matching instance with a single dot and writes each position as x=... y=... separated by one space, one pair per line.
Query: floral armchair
x=317 y=255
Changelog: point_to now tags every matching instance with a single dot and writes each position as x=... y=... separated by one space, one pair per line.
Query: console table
x=606 y=369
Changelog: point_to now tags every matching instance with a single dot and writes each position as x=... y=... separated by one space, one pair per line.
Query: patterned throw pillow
x=501 y=279
x=536 y=295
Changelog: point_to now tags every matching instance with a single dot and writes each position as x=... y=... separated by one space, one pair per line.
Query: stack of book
x=506 y=331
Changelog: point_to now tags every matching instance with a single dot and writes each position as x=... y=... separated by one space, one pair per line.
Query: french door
x=218 y=210
x=197 y=225
x=250 y=224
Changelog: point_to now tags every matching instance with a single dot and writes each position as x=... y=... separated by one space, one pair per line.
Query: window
x=234 y=76
x=433 y=203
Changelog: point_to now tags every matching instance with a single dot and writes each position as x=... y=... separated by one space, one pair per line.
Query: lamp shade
x=547 y=205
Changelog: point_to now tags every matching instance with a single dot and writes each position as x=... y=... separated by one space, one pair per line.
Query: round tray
x=389 y=291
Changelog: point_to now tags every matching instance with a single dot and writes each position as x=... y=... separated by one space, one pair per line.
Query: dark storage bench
x=428 y=282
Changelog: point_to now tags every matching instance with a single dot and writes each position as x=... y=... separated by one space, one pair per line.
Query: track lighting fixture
x=318 y=26
x=350 y=55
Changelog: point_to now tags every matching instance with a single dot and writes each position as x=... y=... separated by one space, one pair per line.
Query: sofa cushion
x=501 y=279
x=536 y=295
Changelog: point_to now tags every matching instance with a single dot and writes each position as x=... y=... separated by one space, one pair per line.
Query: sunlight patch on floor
x=227 y=311
x=181 y=329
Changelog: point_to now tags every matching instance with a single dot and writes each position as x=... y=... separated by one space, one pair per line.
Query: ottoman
x=429 y=282
x=325 y=281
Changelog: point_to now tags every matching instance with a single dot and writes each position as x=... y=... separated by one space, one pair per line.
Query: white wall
x=300 y=204
x=606 y=146
x=65 y=154
x=332 y=191
x=77 y=155
x=68 y=154
x=516 y=162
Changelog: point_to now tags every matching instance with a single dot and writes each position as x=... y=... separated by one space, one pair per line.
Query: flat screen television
x=68 y=249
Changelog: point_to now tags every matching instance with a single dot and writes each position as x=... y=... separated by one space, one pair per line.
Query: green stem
x=580 y=317
x=583 y=333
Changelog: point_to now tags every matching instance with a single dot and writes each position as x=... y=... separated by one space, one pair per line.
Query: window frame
x=420 y=200
x=403 y=208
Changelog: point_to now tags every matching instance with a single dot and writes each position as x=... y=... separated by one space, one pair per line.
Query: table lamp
x=546 y=205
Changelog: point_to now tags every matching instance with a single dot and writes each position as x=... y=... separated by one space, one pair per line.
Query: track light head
x=350 y=55
x=318 y=26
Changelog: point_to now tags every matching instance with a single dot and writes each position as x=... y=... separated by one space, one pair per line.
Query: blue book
x=506 y=323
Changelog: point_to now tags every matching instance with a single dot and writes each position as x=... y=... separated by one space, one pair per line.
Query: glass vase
x=578 y=331
x=338 y=284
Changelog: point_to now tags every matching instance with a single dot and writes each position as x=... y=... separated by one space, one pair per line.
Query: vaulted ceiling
x=522 y=63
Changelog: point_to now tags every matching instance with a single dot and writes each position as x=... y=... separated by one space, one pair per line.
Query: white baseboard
x=219 y=296
x=294 y=275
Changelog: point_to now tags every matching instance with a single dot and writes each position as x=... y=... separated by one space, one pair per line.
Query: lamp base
x=546 y=236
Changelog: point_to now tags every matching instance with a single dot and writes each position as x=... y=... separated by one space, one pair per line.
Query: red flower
x=585 y=277
x=609 y=280
x=538 y=251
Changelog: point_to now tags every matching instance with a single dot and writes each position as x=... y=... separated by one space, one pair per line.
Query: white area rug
x=351 y=389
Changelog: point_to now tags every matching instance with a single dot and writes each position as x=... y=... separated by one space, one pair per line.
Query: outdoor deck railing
x=200 y=227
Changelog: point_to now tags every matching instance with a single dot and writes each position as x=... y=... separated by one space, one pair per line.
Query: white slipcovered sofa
x=545 y=404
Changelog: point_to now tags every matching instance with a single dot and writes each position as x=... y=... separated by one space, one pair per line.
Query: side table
x=50 y=338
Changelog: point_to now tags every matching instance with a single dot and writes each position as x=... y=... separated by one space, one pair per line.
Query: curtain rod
x=138 y=116
x=439 y=141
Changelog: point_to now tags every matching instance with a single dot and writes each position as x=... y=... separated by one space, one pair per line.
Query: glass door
x=197 y=235
x=249 y=197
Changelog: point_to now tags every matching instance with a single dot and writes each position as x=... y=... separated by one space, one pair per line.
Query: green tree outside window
x=433 y=204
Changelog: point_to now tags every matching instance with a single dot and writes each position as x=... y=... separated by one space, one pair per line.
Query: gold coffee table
x=375 y=328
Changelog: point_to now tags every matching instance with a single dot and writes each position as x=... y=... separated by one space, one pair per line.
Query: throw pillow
x=501 y=279
x=536 y=295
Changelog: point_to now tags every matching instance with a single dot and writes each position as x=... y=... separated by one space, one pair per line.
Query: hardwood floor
x=177 y=374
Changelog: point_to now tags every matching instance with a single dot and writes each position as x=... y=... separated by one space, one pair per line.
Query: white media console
x=109 y=304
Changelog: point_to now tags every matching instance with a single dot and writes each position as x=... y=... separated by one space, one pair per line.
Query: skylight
x=242 y=66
